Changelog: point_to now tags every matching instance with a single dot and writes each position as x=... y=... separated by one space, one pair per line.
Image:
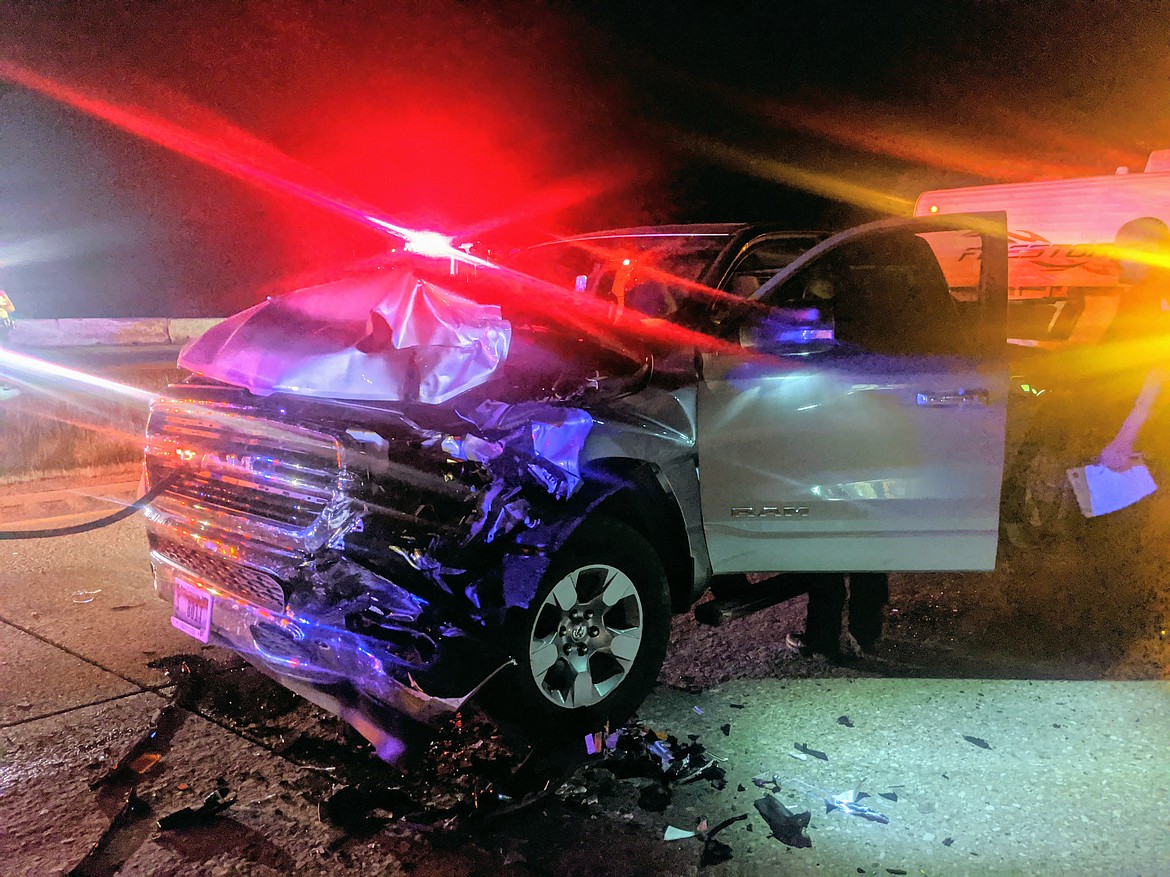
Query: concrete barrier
x=184 y=330
x=90 y=332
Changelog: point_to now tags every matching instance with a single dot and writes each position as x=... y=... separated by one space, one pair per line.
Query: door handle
x=953 y=398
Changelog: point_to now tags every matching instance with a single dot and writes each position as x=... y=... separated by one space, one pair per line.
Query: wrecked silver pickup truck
x=388 y=488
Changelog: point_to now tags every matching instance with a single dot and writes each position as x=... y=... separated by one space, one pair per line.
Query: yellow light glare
x=768 y=168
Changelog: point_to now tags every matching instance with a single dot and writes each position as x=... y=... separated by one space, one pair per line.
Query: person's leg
x=869 y=592
x=826 y=602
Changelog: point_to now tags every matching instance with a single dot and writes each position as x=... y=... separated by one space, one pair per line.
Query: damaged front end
x=364 y=549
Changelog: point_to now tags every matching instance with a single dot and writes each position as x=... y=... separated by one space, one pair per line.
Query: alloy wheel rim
x=585 y=636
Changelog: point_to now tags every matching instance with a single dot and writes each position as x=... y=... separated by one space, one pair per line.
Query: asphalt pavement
x=974 y=776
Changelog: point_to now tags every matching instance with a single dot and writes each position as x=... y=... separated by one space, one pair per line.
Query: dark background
x=511 y=121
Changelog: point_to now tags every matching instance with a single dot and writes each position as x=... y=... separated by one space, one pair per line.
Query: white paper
x=1100 y=490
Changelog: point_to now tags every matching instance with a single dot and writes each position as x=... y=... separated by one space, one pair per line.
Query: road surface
x=99 y=358
x=976 y=776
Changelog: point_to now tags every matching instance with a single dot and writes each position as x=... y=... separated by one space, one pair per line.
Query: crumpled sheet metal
x=389 y=336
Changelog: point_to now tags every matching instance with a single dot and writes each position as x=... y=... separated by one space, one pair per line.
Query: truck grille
x=200 y=567
x=238 y=479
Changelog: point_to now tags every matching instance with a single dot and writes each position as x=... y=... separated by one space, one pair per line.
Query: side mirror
x=789 y=332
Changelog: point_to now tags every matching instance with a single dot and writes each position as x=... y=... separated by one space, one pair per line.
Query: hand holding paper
x=1100 y=490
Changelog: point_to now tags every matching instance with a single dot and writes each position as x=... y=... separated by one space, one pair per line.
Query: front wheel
x=591 y=643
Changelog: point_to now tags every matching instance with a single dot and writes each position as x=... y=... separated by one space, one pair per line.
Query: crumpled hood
x=389 y=336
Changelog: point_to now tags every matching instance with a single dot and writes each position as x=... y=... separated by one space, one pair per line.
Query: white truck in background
x=1062 y=285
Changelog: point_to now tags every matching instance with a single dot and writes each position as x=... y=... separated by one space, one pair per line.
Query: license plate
x=192 y=611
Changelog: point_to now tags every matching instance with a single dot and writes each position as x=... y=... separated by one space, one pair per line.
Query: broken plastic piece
x=726 y=729
x=593 y=743
x=698 y=710
x=864 y=812
x=845 y=720
x=763 y=782
x=660 y=749
x=731 y=820
x=673 y=833
x=977 y=741
x=815 y=753
x=190 y=817
x=85 y=596
x=787 y=827
x=144 y=762
x=715 y=852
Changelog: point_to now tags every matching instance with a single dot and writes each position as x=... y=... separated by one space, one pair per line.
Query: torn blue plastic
x=559 y=439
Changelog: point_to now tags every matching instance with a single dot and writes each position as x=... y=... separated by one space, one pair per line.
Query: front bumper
x=309 y=650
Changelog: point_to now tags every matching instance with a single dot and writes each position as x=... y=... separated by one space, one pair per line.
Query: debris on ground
x=204 y=814
x=654 y=798
x=726 y=729
x=854 y=809
x=85 y=596
x=145 y=762
x=763 y=781
x=673 y=833
x=715 y=851
x=977 y=741
x=804 y=749
x=640 y=751
x=353 y=808
x=847 y=801
x=787 y=827
x=146 y=751
x=845 y=720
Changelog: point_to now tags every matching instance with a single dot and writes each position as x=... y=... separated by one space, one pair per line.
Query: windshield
x=647 y=273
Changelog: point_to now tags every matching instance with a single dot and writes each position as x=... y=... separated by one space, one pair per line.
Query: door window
x=762 y=259
x=888 y=292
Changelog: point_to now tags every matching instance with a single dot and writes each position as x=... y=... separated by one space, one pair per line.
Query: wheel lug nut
x=568 y=648
x=581 y=650
x=589 y=614
x=564 y=630
x=593 y=631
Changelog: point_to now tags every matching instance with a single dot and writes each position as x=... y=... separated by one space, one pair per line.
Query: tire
x=591 y=643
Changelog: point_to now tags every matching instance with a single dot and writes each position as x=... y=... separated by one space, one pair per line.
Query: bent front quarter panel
x=657 y=427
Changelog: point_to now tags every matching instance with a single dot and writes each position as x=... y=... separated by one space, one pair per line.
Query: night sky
x=512 y=121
